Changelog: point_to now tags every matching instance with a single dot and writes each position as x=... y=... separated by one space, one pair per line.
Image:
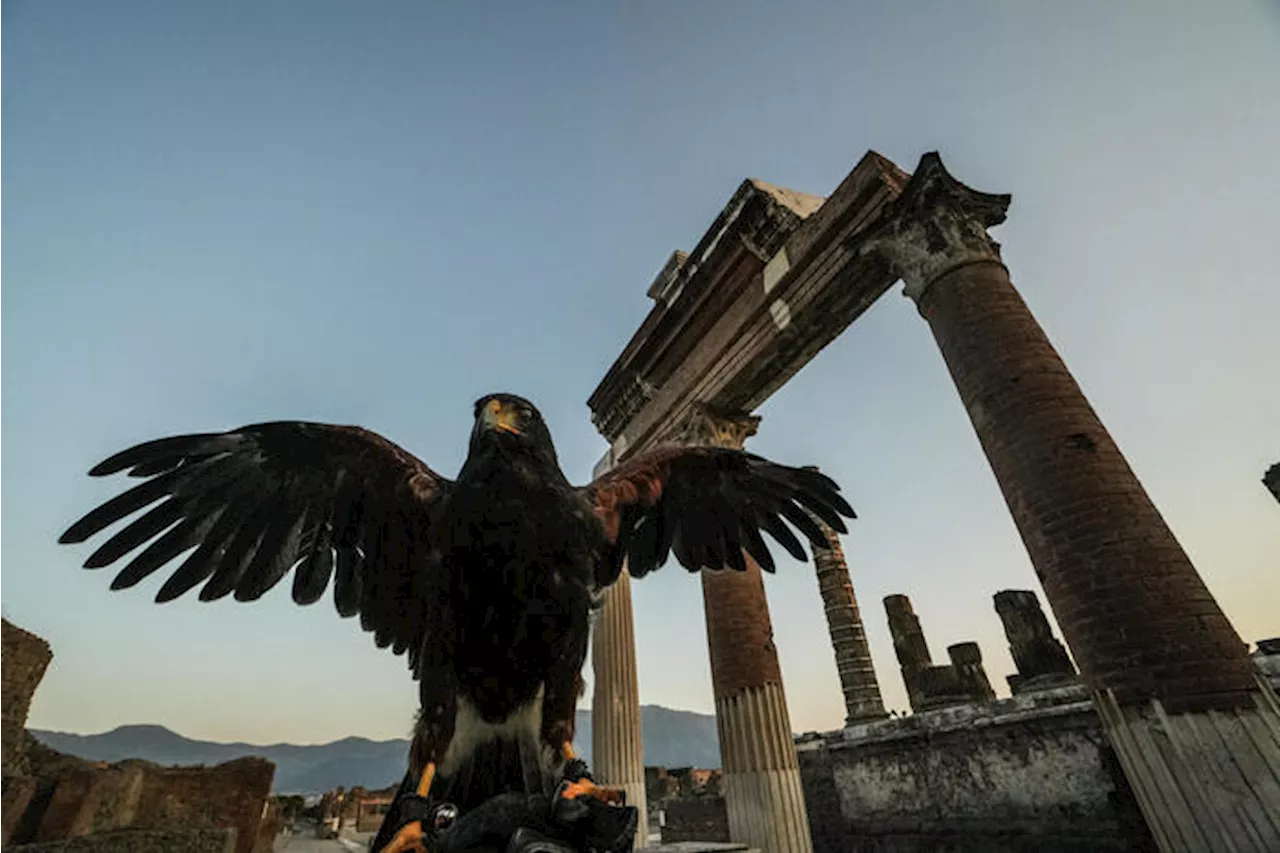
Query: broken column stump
x=1041 y=660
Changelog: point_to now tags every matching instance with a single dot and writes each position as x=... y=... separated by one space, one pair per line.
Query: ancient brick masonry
x=862 y=700
x=1135 y=612
x=1170 y=678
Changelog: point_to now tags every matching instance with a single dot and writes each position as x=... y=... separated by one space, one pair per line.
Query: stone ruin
x=968 y=772
x=1166 y=689
x=56 y=802
x=686 y=804
x=357 y=808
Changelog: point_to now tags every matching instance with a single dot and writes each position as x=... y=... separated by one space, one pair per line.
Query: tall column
x=909 y=645
x=862 y=700
x=1148 y=636
x=762 y=790
x=617 y=749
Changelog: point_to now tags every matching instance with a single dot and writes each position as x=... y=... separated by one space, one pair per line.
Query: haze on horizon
x=218 y=214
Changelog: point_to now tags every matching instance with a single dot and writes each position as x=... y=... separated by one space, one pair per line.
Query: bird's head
x=510 y=422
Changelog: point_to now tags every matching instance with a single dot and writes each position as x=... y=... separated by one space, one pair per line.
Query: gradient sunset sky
x=221 y=213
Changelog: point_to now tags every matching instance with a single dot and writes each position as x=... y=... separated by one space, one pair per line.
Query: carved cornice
x=705 y=426
x=633 y=395
x=935 y=226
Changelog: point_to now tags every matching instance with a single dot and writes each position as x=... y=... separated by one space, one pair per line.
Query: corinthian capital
x=936 y=225
x=706 y=426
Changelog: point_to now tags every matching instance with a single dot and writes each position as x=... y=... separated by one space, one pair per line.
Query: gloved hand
x=510 y=823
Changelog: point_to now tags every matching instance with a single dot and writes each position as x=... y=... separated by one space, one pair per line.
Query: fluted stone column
x=617 y=748
x=1146 y=633
x=862 y=700
x=762 y=790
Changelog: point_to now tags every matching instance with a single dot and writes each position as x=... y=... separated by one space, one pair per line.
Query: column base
x=762 y=790
x=763 y=812
x=1206 y=781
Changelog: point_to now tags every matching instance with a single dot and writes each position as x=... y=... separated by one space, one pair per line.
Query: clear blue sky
x=219 y=213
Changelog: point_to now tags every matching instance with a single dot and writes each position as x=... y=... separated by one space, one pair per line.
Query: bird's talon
x=584 y=787
x=411 y=838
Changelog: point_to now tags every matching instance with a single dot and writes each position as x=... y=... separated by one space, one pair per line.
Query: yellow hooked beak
x=498 y=417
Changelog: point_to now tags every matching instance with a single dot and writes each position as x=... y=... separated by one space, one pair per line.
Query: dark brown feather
x=260 y=501
x=706 y=505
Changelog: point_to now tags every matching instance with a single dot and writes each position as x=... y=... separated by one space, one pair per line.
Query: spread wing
x=261 y=500
x=707 y=505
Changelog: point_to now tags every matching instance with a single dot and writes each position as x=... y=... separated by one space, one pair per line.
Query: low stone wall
x=139 y=841
x=1030 y=773
x=232 y=794
x=704 y=818
x=89 y=798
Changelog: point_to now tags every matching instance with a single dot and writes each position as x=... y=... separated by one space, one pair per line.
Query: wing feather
x=250 y=505
x=706 y=506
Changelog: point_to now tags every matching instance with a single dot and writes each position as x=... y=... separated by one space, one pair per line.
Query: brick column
x=762 y=788
x=862 y=700
x=617 y=749
x=1148 y=636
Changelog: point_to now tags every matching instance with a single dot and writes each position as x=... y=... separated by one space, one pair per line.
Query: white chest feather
x=470 y=730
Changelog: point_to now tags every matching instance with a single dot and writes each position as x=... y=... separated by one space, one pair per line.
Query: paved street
x=305 y=841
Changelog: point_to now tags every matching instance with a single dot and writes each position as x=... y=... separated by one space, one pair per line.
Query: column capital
x=707 y=426
x=936 y=225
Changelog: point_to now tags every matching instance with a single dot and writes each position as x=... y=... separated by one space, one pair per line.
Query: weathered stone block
x=1027 y=773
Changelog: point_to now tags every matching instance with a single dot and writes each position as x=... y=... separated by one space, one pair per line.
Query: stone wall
x=55 y=800
x=233 y=794
x=91 y=798
x=139 y=841
x=26 y=657
x=1033 y=772
x=704 y=818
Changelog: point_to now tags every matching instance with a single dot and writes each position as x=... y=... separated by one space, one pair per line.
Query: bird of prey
x=487 y=582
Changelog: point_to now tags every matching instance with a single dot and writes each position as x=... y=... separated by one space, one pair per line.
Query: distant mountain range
x=671 y=739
